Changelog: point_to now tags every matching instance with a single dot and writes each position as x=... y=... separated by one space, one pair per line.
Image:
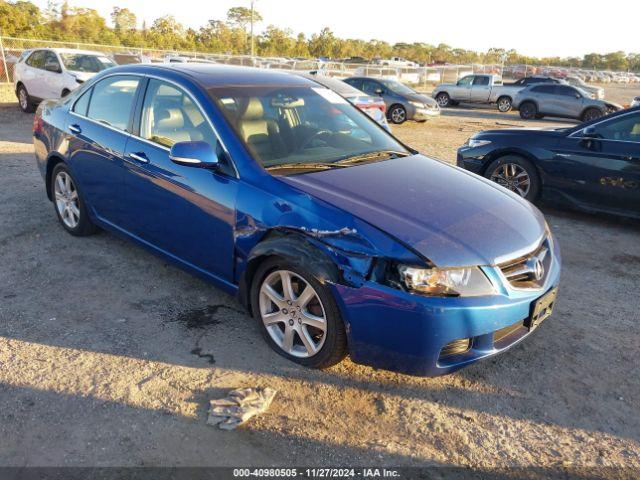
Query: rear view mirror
x=194 y=154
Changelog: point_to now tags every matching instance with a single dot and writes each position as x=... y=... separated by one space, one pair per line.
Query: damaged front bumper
x=430 y=336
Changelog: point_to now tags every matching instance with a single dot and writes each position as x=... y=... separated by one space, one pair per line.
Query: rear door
x=547 y=99
x=603 y=170
x=31 y=76
x=99 y=127
x=187 y=212
x=480 y=89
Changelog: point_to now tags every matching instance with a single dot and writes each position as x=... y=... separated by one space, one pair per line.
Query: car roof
x=72 y=50
x=334 y=84
x=219 y=75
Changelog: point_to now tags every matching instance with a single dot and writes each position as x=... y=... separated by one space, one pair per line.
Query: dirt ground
x=109 y=355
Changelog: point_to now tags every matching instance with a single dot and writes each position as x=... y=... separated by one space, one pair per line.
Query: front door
x=186 y=212
x=600 y=166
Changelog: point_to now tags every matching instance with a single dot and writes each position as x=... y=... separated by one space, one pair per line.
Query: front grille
x=456 y=347
x=529 y=271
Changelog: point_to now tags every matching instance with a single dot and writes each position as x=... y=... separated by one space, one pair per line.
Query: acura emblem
x=538 y=269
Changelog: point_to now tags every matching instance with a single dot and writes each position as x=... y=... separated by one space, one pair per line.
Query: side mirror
x=379 y=91
x=589 y=138
x=194 y=154
x=578 y=95
x=52 y=67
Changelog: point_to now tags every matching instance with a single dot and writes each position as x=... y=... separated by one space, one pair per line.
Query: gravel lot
x=109 y=355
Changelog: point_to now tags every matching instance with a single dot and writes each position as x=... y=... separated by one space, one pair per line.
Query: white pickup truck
x=477 y=89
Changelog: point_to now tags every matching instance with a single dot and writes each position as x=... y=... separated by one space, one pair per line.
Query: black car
x=526 y=81
x=594 y=166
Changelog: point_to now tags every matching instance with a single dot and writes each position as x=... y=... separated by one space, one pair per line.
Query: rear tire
x=504 y=104
x=443 y=99
x=528 y=110
x=24 y=100
x=506 y=171
x=332 y=347
x=68 y=203
x=591 y=114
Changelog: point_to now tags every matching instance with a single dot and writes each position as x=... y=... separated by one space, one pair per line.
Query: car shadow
x=475 y=112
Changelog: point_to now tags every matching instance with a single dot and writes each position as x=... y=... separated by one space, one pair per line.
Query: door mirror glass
x=194 y=154
x=52 y=66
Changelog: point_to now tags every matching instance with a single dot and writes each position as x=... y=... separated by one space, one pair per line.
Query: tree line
x=59 y=21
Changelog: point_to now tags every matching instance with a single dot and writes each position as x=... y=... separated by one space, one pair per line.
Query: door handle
x=75 y=129
x=139 y=157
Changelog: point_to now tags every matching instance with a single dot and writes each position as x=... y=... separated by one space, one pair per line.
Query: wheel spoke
x=306 y=296
x=273 y=318
x=60 y=184
x=307 y=341
x=67 y=183
x=287 y=339
x=314 y=321
x=287 y=286
x=272 y=294
x=74 y=209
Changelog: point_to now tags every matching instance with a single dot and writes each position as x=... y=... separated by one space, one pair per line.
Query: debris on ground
x=239 y=406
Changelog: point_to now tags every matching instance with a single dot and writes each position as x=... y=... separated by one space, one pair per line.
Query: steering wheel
x=312 y=137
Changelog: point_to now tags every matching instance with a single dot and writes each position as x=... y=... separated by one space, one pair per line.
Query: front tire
x=504 y=104
x=297 y=314
x=24 y=101
x=591 y=114
x=528 y=110
x=516 y=174
x=443 y=99
x=68 y=203
x=397 y=114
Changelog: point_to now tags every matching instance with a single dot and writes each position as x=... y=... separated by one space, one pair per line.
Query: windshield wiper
x=364 y=157
x=304 y=166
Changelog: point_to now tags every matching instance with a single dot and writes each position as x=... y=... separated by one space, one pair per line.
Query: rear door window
x=565 y=91
x=82 y=103
x=546 y=89
x=112 y=101
x=36 y=59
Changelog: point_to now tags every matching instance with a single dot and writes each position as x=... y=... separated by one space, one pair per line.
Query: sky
x=536 y=27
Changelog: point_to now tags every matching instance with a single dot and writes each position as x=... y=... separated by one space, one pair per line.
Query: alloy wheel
x=398 y=115
x=66 y=198
x=443 y=100
x=513 y=177
x=292 y=313
x=504 y=105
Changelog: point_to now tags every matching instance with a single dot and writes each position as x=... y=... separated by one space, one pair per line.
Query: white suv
x=53 y=73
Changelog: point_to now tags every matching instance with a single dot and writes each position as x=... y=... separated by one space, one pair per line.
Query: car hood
x=419 y=97
x=448 y=215
x=82 y=76
x=545 y=131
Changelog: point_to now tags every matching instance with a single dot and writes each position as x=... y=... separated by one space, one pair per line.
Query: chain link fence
x=12 y=48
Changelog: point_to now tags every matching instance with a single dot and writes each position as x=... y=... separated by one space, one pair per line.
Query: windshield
x=397 y=87
x=303 y=128
x=80 y=62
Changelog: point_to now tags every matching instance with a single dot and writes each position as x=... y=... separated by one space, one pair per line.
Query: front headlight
x=474 y=143
x=464 y=282
x=417 y=104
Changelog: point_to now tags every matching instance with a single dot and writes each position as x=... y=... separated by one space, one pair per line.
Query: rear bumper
x=399 y=331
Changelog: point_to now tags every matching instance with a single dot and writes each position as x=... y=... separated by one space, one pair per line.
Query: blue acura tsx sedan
x=335 y=236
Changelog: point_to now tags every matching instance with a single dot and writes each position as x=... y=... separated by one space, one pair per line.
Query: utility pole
x=252 y=43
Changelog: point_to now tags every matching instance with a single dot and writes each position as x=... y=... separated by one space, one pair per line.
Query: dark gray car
x=402 y=102
x=557 y=100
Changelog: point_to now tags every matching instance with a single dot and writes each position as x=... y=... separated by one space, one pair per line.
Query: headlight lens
x=474 y=142
x=465 y=282
x=417 y=104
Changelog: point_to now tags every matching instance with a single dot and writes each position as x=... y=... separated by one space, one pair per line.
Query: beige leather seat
x=260 y=133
